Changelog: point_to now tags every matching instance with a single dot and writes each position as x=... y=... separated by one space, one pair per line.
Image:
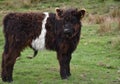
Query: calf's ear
x=81 y=14
x=59 y=13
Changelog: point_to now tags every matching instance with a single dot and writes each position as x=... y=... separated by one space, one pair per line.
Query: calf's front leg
x=68 y=65
x=64 y=62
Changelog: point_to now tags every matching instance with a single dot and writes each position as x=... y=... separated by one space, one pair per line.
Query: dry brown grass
x=115 y=12
x=118 y=24
x=26 y=2
x=106 y=23
x=99 y=19
x=109 y=25
x=91 y=18
x=96 y=19
x=17 y=3
x=23 y=3
x=104 y=28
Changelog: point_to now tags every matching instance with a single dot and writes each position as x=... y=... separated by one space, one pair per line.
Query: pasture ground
x=95 y=61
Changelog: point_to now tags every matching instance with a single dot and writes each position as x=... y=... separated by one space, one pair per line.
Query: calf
x=58 y=31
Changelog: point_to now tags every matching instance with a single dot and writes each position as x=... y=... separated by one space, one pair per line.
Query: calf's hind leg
x=8 y=61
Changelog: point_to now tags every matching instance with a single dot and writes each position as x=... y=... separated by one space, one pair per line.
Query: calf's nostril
x=66 y=30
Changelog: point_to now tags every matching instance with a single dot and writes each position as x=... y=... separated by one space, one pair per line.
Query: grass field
x=95 y=61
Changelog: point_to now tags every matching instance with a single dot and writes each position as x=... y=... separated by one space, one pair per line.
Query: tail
x=35 y=53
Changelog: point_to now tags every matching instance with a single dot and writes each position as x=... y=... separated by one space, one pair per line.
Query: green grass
x=95 y=61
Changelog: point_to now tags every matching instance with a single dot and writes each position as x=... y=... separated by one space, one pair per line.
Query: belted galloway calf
x=58 y=31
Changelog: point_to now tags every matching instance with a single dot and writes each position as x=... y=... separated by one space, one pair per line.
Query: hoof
x=69 y=74
x=7 y=79
x=64 y=78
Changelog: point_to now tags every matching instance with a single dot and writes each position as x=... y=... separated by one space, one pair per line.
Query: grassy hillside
x=97 y=57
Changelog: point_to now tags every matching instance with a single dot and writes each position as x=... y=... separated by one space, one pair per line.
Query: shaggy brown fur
x=63 y=34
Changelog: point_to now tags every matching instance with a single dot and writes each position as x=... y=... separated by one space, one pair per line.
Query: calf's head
x=70 y=20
